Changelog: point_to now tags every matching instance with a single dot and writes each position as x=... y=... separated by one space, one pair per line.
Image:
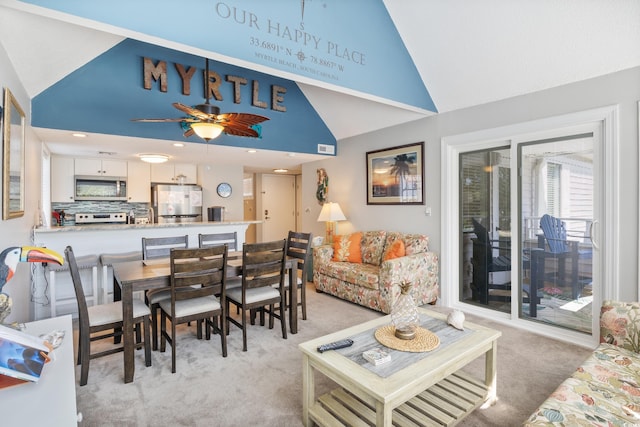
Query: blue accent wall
x=348 y=43
x=106 y=93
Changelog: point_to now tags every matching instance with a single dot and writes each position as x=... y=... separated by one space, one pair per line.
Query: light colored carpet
x=263 y=386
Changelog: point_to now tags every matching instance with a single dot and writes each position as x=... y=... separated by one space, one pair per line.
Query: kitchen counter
x=98 y=239
x=113 y=227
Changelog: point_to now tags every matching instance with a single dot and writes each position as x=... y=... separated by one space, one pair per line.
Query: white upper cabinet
x=98 y=167
x=139 y=182
x=169 y=173
x=62 y=183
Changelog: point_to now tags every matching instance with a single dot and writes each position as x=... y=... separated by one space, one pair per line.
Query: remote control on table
x=335 y=345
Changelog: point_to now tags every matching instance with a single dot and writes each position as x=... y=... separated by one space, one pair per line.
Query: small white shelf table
x=52 y=400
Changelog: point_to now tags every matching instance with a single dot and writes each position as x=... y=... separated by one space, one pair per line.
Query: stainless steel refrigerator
x=176 y=203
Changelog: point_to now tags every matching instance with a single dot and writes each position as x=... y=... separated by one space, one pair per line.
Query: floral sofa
x=368 y=267
x=605 y=390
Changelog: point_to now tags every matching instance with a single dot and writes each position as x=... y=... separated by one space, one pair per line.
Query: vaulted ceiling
x=466 y=53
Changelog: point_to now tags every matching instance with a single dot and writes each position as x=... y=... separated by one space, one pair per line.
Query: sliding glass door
x=557 y=193
x=485 y=209
x=527 y=209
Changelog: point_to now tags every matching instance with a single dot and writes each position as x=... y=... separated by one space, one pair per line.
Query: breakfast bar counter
x=110 y=227
x=114 y=238
x=99 y=239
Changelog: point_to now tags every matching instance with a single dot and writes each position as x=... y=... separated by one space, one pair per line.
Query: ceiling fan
x=206 y=121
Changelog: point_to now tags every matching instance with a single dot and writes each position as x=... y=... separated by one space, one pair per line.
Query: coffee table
x=432 y=390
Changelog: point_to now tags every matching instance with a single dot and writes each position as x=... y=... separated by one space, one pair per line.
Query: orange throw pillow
x=346 y=248
x=396 y=250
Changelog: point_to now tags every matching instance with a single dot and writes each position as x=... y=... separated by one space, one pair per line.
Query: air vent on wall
x=326 y=149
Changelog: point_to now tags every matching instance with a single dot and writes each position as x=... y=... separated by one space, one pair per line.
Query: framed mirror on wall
x=13 y=157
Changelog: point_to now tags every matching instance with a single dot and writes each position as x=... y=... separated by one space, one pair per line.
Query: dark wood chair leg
x=173 y=347
x=303 y=299
x=147 y=342
x=244 y=329
x=84 y=351
x=154 y=326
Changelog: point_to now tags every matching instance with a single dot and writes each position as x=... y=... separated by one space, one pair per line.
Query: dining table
x=134 y=276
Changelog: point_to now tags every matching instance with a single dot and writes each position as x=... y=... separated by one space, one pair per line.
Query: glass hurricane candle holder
x=404 y=314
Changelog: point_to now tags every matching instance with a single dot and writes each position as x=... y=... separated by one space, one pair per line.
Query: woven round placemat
x=425 y=340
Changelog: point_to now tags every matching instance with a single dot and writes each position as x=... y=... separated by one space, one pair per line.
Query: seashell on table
x=456 y=319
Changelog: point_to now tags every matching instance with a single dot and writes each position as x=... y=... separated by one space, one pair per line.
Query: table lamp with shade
x=331 y=213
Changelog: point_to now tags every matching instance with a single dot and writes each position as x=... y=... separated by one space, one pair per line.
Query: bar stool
x=107 y=261
x=84 y=263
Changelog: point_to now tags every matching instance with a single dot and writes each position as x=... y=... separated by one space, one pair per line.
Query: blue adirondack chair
x=554 y=244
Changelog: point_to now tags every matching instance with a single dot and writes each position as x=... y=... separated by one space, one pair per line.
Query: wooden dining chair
x=159 y=247
x=299 y=246
x=263 y=265
x=231 y=239
x=99 y=322
x=155 y=248
x=197 y=294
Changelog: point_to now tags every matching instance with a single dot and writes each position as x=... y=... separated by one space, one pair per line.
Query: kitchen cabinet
x=99 y=167
x=169 y=173
x=62 y=181
x=139 y=182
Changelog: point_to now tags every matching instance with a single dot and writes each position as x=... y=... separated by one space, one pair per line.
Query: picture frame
x=13 y=157
x=395 y=176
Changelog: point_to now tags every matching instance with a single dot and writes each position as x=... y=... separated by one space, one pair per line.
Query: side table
x=52 y=400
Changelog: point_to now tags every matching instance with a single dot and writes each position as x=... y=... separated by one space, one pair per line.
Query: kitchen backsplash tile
x=70 y=209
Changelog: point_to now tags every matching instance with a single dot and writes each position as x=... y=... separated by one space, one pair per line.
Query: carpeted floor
x=263 y=386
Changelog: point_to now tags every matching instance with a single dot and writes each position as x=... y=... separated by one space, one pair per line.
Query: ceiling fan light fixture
x=153 y=158
x=206 y=130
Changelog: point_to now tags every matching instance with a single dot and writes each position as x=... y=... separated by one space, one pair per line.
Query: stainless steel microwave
x=89 y=187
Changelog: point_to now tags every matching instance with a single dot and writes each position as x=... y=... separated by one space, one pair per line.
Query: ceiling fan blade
x=188 y=133
x=193 y=112
x=162 y=120
x=240 y=131
x=241 y=119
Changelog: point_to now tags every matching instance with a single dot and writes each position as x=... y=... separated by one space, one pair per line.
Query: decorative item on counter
x=59 y=216
x=404 y=314
x=9 y=259
x=54 y=338
x=456 y=319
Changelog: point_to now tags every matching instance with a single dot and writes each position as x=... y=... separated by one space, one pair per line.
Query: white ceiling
x=468 y=53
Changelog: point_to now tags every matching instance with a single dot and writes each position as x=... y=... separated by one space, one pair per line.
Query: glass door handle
x=591 y=227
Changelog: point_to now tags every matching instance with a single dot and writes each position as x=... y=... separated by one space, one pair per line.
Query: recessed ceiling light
x=281 y=170
x=291 y=154
x=153 y=158
x=79 y=135
x=252 y=151
x=178 y=144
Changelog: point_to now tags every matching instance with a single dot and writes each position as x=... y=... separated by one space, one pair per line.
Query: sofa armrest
x=620 y=324
x=420 y=269
x=322 y=254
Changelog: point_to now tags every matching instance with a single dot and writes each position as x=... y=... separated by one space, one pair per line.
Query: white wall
x=347 y=171
x=16 y=232
x=209 y=176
